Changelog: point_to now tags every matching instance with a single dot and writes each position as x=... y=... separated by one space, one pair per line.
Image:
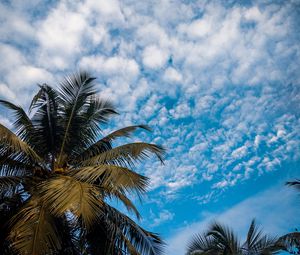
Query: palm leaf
x=257 y=242
x=33 y=230
x=225 y=238
x=104 y=144
x=65 y=194
x=126 y=155
x=114 y=181
x=16 y=145
x=295 y=184
x=289 y=242
x=22 y=123
x=74 y=92
x=86 y=126
x=125 y=200
x=253 y=235
x=124 y=132
x=46 y=120
x=202 y=245
x=14 y=165
x=112 y=176
x=125 y=229
x=9 y=181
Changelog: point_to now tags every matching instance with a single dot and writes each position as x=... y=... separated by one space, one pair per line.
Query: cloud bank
x=217 y=81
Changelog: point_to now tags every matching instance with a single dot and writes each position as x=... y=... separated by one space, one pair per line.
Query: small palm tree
x=56 y=176
x=221 y=240
x=291 y=241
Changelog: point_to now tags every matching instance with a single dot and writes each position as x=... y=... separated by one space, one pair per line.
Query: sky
x=217 y=81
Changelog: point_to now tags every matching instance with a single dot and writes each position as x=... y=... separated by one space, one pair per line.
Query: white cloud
x=163 y=217
x=226 y=68
x=15 y=25
x=12 y=56
x=6 y=92
x=128 y=68
x=108 y=9
x=28 y=76
x=172 y=75
x=62 y=31
x=197 y=29
x=154 y=57
x=152 y=33
x=182 y=110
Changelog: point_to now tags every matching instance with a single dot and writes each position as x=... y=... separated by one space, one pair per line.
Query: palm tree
x=221 y=240
x=291 y=241
x=56 y=177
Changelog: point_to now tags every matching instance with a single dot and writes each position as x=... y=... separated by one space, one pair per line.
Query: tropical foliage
x=295 y=183
x=56 y=176
x=221 y=240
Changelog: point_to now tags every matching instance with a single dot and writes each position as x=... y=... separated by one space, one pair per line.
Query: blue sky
x=218 y=81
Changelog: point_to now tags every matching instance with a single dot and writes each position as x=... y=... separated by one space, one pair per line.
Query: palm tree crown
x=221 y=240
x=56 y=175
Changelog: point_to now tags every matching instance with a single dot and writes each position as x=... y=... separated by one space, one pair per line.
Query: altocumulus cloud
x=218 y=81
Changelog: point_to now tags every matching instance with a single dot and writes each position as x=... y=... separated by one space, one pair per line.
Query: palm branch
x=225 y=238
x=290 y=242
x=295 y=183
x=201 y=244
x=259 y=243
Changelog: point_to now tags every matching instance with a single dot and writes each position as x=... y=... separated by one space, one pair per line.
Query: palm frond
x=33 y=230
x=9 y=182
x=22 y=122
x=266 y=246
x=253 y=235
x=86 y=127
x=225 y=237
x=202 y=245
x=126 y=155
x=114 y=181
x=45 y=95
x=64 y=193
x=126 y=202
x=48 y=131
x=74 y=92
x=258 y=243
x=16 y=145
x=124 y=132
x=15 y=165
x=125 y=230
x=104 y=144
x=289 y=242
x=295 y=183
x=112 y=176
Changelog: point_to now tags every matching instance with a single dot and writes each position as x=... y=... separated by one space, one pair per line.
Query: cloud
x=154 y=57
x=126 y=68
x=163 y=217
x=6 y=92
x=172 y=75
x=218 y=83
x=273 y=209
